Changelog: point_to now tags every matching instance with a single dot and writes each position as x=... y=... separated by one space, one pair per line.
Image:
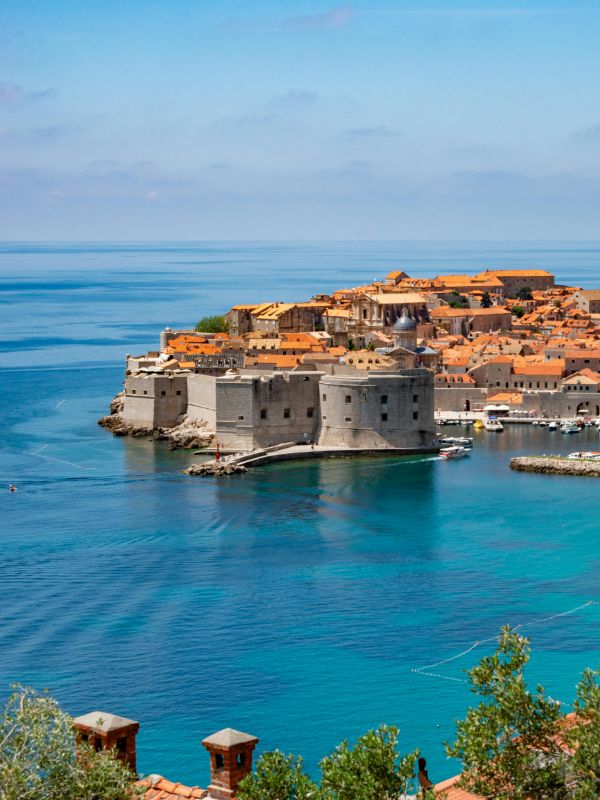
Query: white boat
x=553 y=426
x=493 y=424
x=569 y=427
x=535 y=422
x=456 y=451
x=542 y=424
x=583 y=456
x=462 y=441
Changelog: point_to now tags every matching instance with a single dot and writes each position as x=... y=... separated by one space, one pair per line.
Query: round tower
x=164 y=338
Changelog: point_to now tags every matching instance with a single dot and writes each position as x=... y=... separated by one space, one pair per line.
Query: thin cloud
x=13 y=94
x=337 y=17
x=294 y=98
x=39 y=136
x=587 y=135
x=377 y=132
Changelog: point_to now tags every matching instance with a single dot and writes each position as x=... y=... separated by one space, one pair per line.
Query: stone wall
x=455 y=398
x=154 y=401
x=380 y=409
x=202 y=400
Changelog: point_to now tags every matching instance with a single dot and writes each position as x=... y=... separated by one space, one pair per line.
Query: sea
x=303 y=603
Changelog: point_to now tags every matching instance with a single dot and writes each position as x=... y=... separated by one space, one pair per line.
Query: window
x=219 y=761
x=364 y=313
x=163 y=393
x=384 y=417
x=384 y=399
x=178 y=391
x=263 y=413
x=324 y=397
x=415 y=415
x=348 y=398
x=416 y=397
x=122 y=744
x=286 y=413
x=348 y=419
x=134 y=391
x=240 y=760
x=240 y=416
x=145 y=391
x=310 y=412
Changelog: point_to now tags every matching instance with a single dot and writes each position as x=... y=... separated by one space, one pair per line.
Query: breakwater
x=556 y=465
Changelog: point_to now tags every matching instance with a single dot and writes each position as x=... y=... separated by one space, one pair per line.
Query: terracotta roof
x=448 y=790
x=453 y=378
x=446 y=311
x=517 y=273
x=159 y=788
x=545 y=368
x=398 y=298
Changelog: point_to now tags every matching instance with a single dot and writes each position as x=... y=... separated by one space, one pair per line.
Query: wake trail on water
x=427 y=669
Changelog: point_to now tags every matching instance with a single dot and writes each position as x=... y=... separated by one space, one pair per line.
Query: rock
x=187 y=434
x=216 y=468
x=556 y=465
x=117 y=404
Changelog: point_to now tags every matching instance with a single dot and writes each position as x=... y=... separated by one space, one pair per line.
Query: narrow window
x=240 y=760
x=384 y=417
x=122 y=744
x=416 y=397
x=163 y=393
x=310 y=412
x=219 y=761
x=348 y=419
x=263 y=413
x=286 y=413
x=324 y=397
x=240 y=416
x=134 y=391
x=348 y=398
x=384 y=399
x=145 y=391
x=178 y=391
x=415 y=415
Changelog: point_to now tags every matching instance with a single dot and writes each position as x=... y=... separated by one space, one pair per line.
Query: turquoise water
x=292 y=602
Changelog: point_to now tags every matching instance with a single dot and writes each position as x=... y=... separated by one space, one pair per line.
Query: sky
x=299 y=119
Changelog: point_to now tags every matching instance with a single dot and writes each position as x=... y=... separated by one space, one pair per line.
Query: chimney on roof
x=230 y=761
x=106 y=732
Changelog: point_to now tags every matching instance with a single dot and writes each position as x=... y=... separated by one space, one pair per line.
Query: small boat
x=462 y=441
x=583 y=456
x=553 y=426
x=542 y=424
x=478 y=424
x=455 y=451
x=535 y=422
x=493 y=424
x=569 y=427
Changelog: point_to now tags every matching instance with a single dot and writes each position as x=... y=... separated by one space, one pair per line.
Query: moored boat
x=493 y=424
x=569 y=427
x=456 y=451
x=586 y=455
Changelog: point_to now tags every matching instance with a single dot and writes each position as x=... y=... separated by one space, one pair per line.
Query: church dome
x=405 y=323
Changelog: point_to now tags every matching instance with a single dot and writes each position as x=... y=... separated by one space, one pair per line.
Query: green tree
x=486 y=300
x=214 y=324
x=278 y=777
x=38 y=760
x=517 y=311
x=524 y=293
x=371 y=769
x=507 y=743
x=584 y=739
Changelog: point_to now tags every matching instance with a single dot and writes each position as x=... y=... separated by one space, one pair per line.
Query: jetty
x=290 y=451
x=556 y=465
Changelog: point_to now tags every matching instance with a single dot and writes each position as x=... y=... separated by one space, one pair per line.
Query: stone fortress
x=333 y=405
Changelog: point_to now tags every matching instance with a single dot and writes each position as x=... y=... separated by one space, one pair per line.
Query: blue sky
x=299 y=119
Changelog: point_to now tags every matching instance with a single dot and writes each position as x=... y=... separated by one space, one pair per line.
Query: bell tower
x=230 y=760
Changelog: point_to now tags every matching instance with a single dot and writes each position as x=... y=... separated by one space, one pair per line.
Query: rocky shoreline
x=216 y=468
x=188 y=434
x=556 y=465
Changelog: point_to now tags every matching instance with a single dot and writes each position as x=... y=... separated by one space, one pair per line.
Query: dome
x=405 y=323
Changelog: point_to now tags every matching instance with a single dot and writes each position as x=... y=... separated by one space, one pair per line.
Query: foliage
x=37 y=756
x=584 y=739
x=372 y=769
x=371 y=347
x=517 y=311
x=278 y=777
x=351 y=345
x=486 y=300
x=214 y=324
x=524 y=293
x=507 y=743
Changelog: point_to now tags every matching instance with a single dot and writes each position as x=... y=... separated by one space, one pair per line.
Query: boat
x=493 y=424
x=553 y=426
x=456 y=451
x=535 y=422
x=588 y=455
x=542 y=424
x=569 y=427
x=478 y=424
x=462 y=441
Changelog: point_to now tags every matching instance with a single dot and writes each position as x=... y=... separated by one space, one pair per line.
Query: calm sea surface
x=292 y=602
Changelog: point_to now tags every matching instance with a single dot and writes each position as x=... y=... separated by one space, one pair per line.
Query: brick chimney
x=230 y=761
x=106 y=731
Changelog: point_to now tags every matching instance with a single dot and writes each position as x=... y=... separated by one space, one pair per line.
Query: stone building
x=334 y=405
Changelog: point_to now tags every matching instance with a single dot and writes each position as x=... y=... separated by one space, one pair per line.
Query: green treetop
x=214 y=324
